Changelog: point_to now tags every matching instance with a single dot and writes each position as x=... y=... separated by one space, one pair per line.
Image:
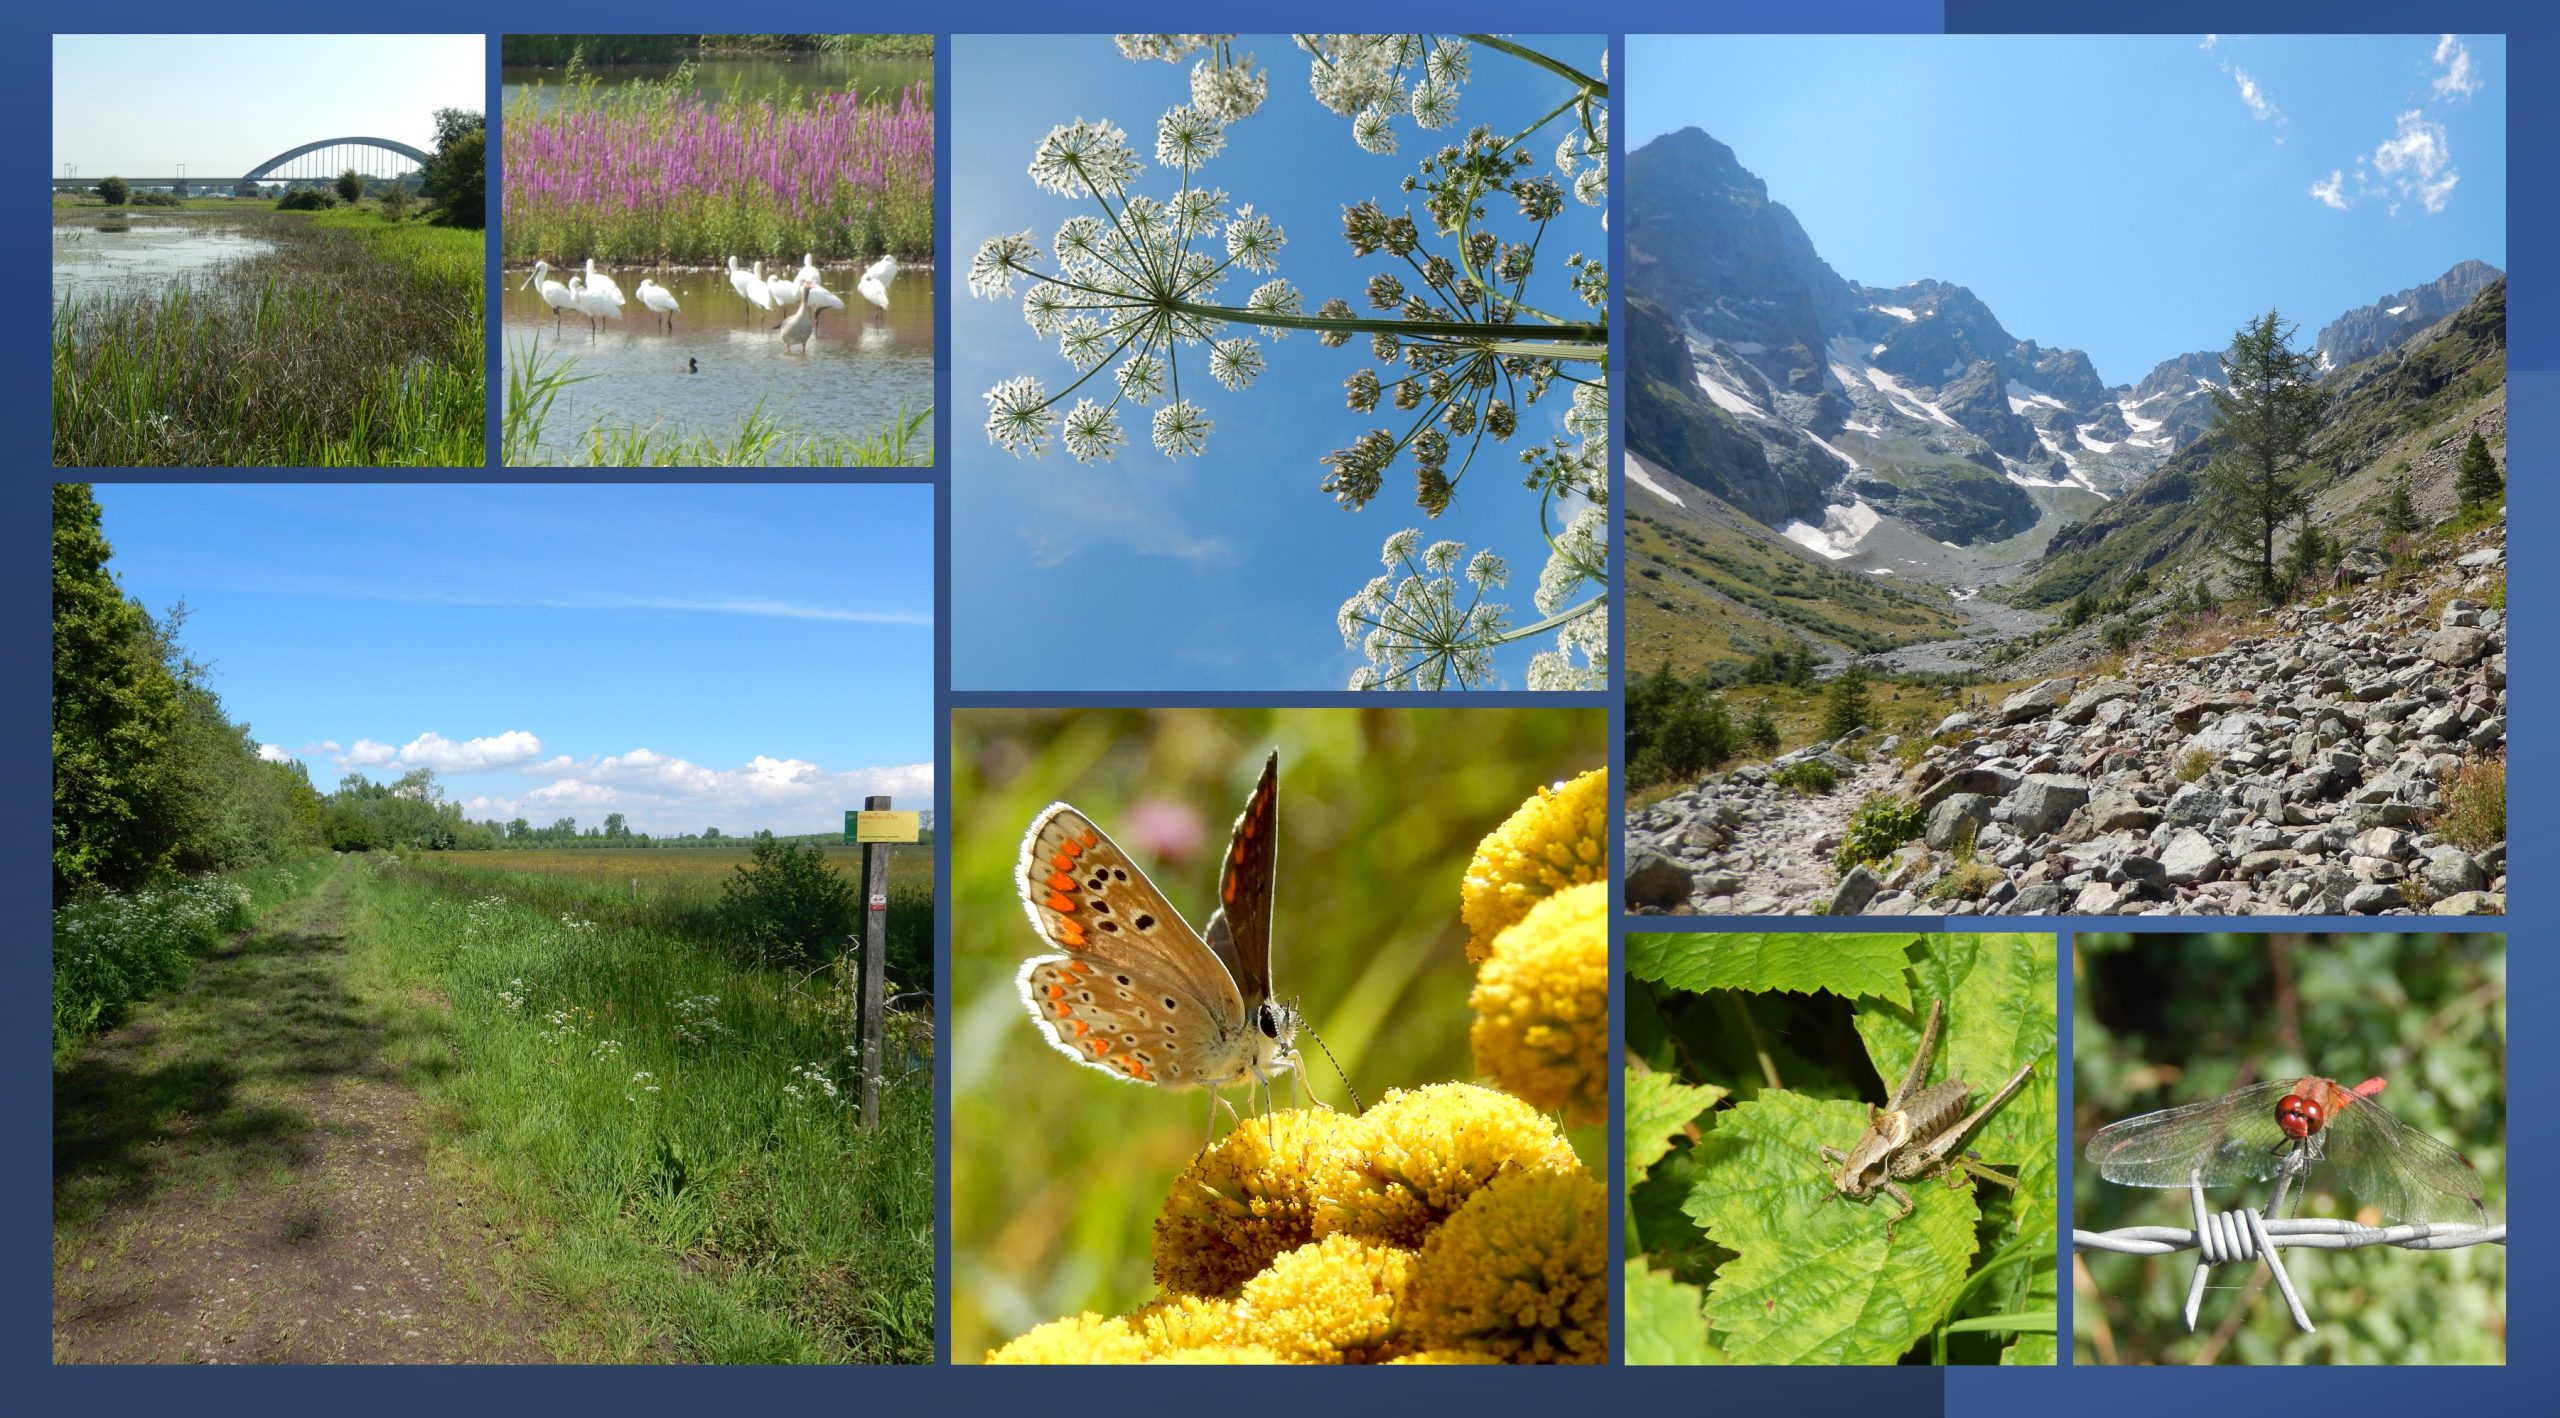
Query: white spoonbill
x=821 y=298
x=739 y=281
x=785 y=291
x=594 y=304
x=875 y=281
x=659 y=299
x=756 y=291
x=796 y=330
x=553 y=293
x=603 y=285
x=809 y=269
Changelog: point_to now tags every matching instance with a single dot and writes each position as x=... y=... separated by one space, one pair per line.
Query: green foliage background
x=2160 y=1020
x=1747 y=1053
x=1057 y=1172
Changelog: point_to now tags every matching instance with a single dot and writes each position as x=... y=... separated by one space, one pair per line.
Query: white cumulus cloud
x=2327 y=190
x=368 y=754
x=659 y=792
x=444 y=755
x=274 y=753
x=2456 y=81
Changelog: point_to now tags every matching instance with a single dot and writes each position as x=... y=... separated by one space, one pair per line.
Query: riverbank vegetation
x=649 y=171
x=760 y=439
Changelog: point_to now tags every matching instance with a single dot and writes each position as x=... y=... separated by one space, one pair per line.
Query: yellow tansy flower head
x=1421 y=1154
x=1542 y=1005
x=1252 y=1197
x=1175 y=1322
x=1445 y=1356
x=1338 y=1301
x=1558 y=838
x=1087 y=1338
x=1521 y=1272
x=1221 y=1354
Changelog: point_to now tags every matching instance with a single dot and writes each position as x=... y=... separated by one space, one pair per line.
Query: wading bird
x=875 y=281
x=784 y=291
x=660 y=300
x=797 y=329
x=821 y=298
x=553 y=293
x=593 y=304
x=603 y=285
x=742 y=282
x=809 y=269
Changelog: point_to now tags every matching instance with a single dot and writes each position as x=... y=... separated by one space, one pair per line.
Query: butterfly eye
x=1268 y=1020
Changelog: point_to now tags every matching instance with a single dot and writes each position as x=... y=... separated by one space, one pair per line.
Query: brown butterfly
x=1135 y=991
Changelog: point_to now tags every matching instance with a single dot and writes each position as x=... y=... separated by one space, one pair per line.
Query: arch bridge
x=318 y=162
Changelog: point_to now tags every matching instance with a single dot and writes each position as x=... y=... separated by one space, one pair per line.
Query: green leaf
x=2000 y=992
x=1664 y=1323
x=1658 y=1107
x=1814 y=1278
x=2030 y=1321
x=1847 y=965
x=2030 y=1349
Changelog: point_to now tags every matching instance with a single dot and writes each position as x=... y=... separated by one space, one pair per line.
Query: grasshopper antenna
x=1356 y=1106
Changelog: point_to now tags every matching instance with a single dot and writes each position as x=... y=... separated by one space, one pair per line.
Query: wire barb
x=2239 y=1236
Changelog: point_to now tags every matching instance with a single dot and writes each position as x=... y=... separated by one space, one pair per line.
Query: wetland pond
x=864 y=367
x=121 y=253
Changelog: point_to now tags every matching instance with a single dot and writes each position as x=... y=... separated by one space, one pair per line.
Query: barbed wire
x=2239 y=1236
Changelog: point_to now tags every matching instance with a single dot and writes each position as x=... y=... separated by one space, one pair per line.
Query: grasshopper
x=1917 y=1133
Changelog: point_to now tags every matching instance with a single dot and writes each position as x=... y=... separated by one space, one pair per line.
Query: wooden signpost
x=875 y=827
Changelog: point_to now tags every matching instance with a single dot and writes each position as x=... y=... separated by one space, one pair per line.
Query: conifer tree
x=2264 y=421
x=2479 y=483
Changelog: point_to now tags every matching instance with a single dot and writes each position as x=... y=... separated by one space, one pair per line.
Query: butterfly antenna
x=1356 y=1106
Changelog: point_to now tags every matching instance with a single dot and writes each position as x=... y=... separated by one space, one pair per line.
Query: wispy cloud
x=2454 y=79
x=2253 y=95
x=2327 y=190
x=2417 y=162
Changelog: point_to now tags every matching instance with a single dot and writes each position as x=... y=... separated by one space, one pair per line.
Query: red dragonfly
x=2278 y=1131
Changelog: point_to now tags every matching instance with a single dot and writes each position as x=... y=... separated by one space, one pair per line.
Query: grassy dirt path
x=241 y=1176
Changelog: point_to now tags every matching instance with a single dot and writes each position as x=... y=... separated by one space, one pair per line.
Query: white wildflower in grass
x=606 y=1049
x=642 y=1084
x=810 y=1082
x=698 y=1019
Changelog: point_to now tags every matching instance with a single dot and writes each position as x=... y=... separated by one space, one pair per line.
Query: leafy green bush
x=1877 y=829
x=1806 y=775
x=788 y=907
x=306 y=199
x=1675 y=729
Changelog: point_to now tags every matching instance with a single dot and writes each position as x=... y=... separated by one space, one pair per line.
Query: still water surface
x=864 y=366
x=138 y=255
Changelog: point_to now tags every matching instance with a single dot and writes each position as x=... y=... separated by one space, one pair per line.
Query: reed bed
x=650 y=173
x=352 y=341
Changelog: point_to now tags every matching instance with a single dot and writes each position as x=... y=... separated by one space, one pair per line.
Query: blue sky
x=1222 y=571
x=2136 y=197
x=740 y=656
x=222 y=104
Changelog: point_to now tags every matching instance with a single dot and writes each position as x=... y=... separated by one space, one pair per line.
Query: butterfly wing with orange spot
x=1134 y=992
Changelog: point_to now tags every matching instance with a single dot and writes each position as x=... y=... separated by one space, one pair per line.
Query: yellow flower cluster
x=1558 y=838
x=1447 y=1225
x=1542 y=1005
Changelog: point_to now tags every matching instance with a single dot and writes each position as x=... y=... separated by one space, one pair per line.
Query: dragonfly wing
x=2225 y=1141
x=2376 y=1160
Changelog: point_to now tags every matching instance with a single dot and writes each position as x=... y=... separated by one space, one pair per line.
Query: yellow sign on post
x=883 y=826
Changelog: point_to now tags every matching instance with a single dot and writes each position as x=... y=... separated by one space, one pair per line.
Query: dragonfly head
x=2300 y=1116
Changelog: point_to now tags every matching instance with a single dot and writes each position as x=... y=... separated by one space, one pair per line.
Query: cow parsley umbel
x=1465 y=342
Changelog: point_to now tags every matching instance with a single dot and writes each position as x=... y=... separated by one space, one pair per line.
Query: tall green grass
x=353 y=341
x=112 y=950
x=677 y=1136
x=759 y=441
